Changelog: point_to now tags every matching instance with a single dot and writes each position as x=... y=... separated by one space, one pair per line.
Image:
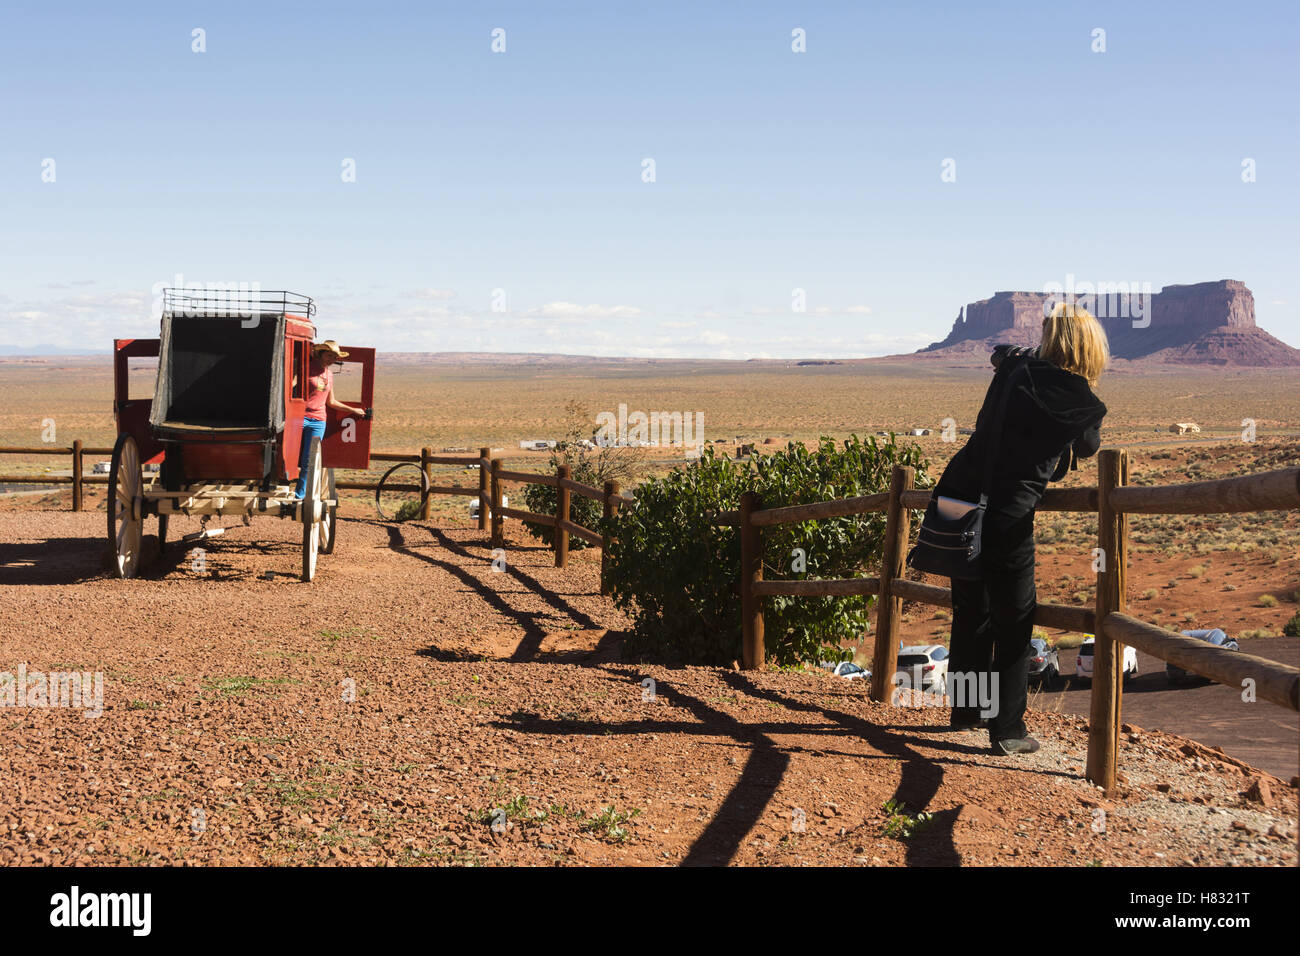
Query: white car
x=1083 y=663
x=473 y=505
x=846 y=669
x=923 y=667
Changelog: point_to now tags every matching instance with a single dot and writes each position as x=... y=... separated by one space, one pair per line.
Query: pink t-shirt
x=319 y=384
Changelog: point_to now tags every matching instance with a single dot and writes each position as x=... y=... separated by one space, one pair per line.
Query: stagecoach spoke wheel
x=329 y=523
x=314 y=488
x=125 y=507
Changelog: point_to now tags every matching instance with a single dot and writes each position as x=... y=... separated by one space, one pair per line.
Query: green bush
x=407 y=511
x=1292 y=627
x=674 y=572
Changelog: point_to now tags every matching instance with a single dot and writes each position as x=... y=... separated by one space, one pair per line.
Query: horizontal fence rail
x=1273 y=681
x=1267 y=491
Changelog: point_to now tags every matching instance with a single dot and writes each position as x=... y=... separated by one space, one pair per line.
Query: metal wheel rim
x=329 y=515
x=379 y=489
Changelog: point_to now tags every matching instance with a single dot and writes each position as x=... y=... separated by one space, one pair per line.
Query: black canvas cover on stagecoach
x=218 y=376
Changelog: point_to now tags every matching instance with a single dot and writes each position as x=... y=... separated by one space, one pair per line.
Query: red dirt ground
x=475 y=692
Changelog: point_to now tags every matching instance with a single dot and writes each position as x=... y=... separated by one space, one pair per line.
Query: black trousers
x=992 y=622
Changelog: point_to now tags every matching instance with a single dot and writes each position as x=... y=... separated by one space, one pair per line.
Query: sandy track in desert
x=227 y=735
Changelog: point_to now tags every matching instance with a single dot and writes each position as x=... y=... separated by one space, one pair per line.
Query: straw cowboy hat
x=329 y=345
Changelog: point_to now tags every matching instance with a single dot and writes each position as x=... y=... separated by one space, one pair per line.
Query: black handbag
x=951 y=546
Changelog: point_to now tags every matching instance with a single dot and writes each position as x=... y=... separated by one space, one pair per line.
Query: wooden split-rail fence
x=491 y=477
x=1113 y=500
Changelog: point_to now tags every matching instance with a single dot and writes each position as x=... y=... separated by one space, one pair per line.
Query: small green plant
x=1267 y=600
x=237 y=685
x=610 y=824
x=901 y=825
x=515 y=809
x=1292 y=627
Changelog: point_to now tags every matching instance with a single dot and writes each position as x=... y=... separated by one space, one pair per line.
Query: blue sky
x=522 y=170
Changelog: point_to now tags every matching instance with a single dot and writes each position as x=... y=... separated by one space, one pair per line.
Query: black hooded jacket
x=1051 y=419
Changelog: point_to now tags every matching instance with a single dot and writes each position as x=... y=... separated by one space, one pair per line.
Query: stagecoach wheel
x=125 y=507
x=311 y=525
x=329 y=527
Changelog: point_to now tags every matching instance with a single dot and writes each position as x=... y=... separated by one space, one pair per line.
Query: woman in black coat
x=1051 y=419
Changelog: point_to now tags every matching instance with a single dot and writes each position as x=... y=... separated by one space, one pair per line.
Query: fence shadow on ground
x=748 y=800
x=527 y=621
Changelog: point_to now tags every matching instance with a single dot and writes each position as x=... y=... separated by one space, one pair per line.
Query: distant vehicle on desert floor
x=1216 y=636
x=1083 y=663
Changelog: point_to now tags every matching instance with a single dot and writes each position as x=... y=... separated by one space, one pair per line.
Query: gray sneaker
x=1014 y=746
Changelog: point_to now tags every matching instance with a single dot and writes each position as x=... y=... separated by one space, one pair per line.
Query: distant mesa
x=1209 y=323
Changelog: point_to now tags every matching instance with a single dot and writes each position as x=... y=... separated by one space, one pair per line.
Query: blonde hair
x=1075 y=341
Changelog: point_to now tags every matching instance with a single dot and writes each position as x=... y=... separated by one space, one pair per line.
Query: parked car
x=1044 y=666
x=1083 y=663
x=473 y=505
x=1214 y=635
x=846 y=669
x=923 y=667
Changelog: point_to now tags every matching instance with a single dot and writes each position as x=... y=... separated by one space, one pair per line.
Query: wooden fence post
x=498 y=536
x=76 y=475
x=1108 y=660
x=562 y=500
x=889 y=609
x=751 y=571
x=483 y=489
x=427 y=467
x=611 y=511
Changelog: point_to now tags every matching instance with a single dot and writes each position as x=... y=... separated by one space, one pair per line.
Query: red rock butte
x=1209 y=323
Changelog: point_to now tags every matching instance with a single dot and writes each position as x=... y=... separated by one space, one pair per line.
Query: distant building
x=1185 y=428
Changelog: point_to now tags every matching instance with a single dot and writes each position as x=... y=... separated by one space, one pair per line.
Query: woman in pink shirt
x=320 y=396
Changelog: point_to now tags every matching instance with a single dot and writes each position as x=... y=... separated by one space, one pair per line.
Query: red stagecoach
x=225 y=422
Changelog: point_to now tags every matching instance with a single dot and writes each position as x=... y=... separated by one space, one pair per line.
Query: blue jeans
x=311 y=428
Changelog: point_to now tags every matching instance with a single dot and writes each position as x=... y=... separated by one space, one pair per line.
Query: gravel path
x=414 y=706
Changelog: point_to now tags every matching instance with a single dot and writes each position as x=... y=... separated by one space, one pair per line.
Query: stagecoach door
x=133 y=413
x=347 y=437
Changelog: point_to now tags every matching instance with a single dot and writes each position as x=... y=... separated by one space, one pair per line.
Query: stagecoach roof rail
x=235 y=301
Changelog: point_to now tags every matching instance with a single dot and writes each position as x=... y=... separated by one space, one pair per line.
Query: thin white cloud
x=409 y=323
x=572 y=309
